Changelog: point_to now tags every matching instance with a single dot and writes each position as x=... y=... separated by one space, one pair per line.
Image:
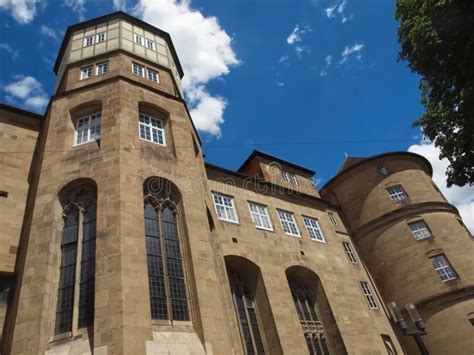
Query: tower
x=413 y=241
x=118 y=154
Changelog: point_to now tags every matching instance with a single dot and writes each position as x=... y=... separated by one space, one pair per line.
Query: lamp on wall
x=403 y=327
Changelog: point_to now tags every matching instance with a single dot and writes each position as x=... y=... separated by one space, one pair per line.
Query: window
x=138 y=69
x=288 y=223
x=153 y=75
x=368 y=295
x=350 y=254
x=150 y=45
x=443 y=268
x=152 y=129
x=102 y=68
x=88 y=41
x=168 y=296
x=86 y=72
x=260 y=216
x=312 y=326
x=247 y=314
x=332 y=218
x=419 y=230
x=313 y=228
x=285 y=175
x=77 y=259
x=87 y=129
x=396 y=193
x=293 y=179
x=383 y=170
x=225 y=207
x=139 y=40
x=101 y=37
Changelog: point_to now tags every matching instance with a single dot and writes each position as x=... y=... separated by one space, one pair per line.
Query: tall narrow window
x=77 y=267
x=152 y=129
x=368 y=295
x=87 y=129
x=312 y=327
x=443 y=268
x=314 y=230
x=349 y=252
x=168 y=300
x=250 y=328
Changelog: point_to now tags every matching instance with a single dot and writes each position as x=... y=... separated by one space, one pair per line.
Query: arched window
x=246 y=313
x=166 y=278
x=307 y=314
x=75 y=302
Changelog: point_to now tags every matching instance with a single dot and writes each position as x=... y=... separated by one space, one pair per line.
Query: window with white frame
x=101 y=68
x=419 y=230
x=138 y=69
x=368 y=295
x=86 y=72
x=396 y=193
x=88 y=41
x=260 y=216
x=349 y=252
x=87 y=129
x=139 y=40
x=443 y=268
x=100 y=37
x=332 y=218
x=152 y=129
x=288 y=223
x=153 y=75
x=313 y=228
x=150 y=45
x=225 y=207
x=285 y=175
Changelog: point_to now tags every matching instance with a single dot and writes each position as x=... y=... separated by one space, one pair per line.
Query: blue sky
x=305 y=80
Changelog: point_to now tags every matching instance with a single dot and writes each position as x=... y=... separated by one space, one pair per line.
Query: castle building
x=117 y=237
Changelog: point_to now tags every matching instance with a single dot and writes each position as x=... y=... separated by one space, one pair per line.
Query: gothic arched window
x=246 y=313
x=166 y=278
x=75 y=302
x=307 y=314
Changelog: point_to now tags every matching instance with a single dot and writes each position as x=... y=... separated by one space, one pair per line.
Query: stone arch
x=314 y=312
x=251 y=302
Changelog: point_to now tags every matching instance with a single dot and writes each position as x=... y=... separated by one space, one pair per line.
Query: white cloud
x=120 y=4
x=9 y=49
x=294 y=39
x=23 y=11
x=329 y=11
x=205 y=51
x=295 y=35
x=48 y=32
x=461 y=197
x=28 y=91
x=77 y=6
x=338 y=9
x=328 y=61
x=348 y=51
x=279 y=83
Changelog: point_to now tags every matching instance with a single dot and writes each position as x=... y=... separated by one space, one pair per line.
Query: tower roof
x=119 y=15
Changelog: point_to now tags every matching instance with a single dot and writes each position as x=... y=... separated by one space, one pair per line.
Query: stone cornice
x=400 y=213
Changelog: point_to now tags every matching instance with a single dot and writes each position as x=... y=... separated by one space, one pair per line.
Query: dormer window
x=383 y=171
x=287 y=176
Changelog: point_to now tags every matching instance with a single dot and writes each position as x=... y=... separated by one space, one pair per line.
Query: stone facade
x=42 y=163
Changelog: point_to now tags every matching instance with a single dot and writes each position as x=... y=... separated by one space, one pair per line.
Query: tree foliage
x=437 y=40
